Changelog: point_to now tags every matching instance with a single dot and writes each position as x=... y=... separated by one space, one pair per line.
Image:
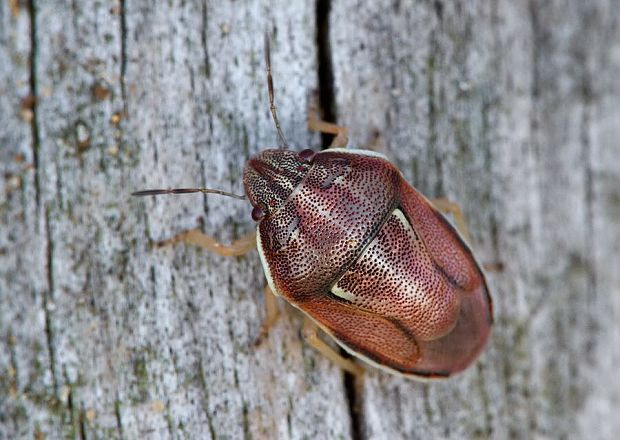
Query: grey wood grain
x=507 y=109
x=510 y=109
x=101 y=335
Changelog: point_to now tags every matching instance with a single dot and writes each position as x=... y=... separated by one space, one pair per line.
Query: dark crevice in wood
x=354 y=401
x=327 y=98
x=153 y=279
x=70 y=404
x=47 y=296
x=203 y=40
x=329 y=113
x=289 y=425
x=246 y=422
x=117 y=416
x=82 y=424
x=34 y=125
x=123 y=30
x=438 y=6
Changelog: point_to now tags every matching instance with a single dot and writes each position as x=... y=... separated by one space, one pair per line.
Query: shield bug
x=345 y=239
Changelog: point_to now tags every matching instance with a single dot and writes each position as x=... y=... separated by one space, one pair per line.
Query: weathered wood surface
x=510 y=108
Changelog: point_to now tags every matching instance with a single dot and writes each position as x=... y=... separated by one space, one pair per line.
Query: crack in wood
x=329 y=113
x=34 y=124
x=203 y=40
x=117 y=416
x=327 y=98
x=47 y=297
x=82 y=424
x=123 y=32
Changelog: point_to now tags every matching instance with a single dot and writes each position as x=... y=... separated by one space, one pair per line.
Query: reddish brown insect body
x=343 y=237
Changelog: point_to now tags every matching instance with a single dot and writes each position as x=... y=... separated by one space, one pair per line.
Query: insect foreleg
x=196 y=237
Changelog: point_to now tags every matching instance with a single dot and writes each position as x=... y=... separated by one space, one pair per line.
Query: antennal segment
x=157 y=192
x=272 y=106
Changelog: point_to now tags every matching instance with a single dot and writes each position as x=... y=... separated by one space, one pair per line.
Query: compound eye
x=257 y=214
x=307 y=155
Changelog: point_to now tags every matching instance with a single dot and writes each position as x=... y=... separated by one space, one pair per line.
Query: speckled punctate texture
x=270 y=177
x=509 y=108
x=405 y=291
x=325 y=222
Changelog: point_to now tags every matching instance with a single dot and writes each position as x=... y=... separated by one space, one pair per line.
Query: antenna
x=272 y=106
x=282 y=141
x=157 y=192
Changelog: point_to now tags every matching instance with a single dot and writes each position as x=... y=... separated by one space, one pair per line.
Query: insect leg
x=316 y=124
x=312 y=338
x=196 y=237
x=272 y=312
x=447 y=207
